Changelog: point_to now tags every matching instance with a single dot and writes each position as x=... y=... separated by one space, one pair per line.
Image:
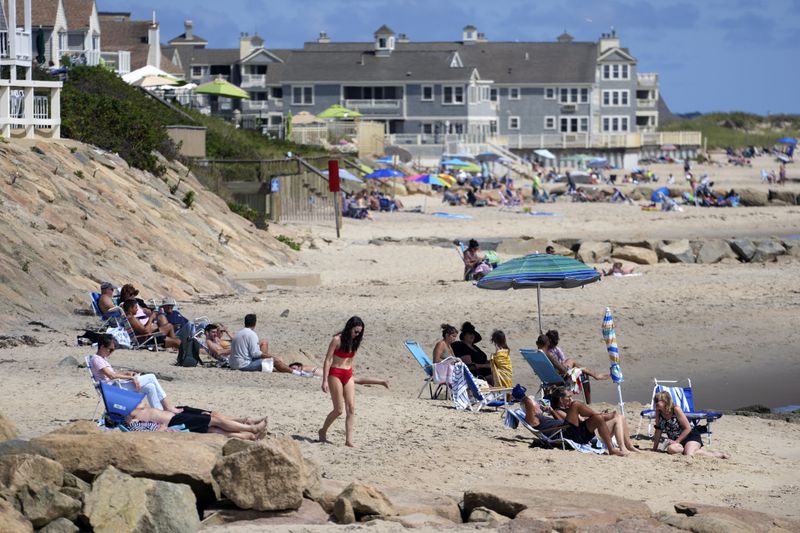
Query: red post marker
x=333 y=175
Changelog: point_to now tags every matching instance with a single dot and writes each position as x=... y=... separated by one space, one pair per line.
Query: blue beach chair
x=119 y=403
x=110 y=319
x=479 y=400
x=546 y=372
x=427 y=365
x=683 y=397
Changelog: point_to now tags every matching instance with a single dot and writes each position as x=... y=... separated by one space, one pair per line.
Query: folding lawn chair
x=427 y=365
x=96 y=385
x=553 y=438
x=546 y=372
x=683 y=397
x=110 y=319
x=119 y=403
x=149 y=342
x=464 y=386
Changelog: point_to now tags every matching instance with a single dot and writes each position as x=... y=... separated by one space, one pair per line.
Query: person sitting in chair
x=472 y=356
x=106 y=300
x=172 y=315
x=148 y=318
x=143 y=330
x=215 y=345
x=475 y=266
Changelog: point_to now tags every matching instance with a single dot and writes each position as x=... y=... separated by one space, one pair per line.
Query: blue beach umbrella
x=384 y=173
x=539 y=271
x=655 y=197
x=455 y=163
x=387 y=160
x=787 y=140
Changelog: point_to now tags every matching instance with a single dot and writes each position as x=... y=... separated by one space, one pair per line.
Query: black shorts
x=194 y=410
x=693 y=436
x=580 y=433
x=194 y=422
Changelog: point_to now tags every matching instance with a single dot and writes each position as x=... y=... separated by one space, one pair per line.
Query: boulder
x=650 y=244
x=554 y=507
x=69 y=362
x=43 y=504
x=712 y=518
x=594 y=252
x=270 y=476
x=767 y=250
x=328 y=493
x=359 y=500
x=8 y=430
x=86 y=451
x=420 y=521
x=75 y=487
x=787 y=197
x=482 y=514
x=792 y=248
x=309 y=513
x=19 y=471
x=714 y=251
x=642 y=192
x=641 y=256
x=677 y=252
x=744 y=248
x=120 y=503
x=521 y=246
x=408 y=501
x=19 y=446
x=12 y=521
x=752 y=198
x=237 y=445
x=60 y=525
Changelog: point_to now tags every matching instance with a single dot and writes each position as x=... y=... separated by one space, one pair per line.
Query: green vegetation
x=738 y=129
x=188 y=199
x=289 y=242
x=242 y=210
x=79 y=173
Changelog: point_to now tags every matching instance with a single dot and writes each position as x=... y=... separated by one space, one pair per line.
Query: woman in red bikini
x=337 y=377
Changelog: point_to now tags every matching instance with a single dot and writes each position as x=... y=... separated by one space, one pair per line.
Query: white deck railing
x=22 y=42
x=119 y=61
x=647 y=79
x=249 y=105
x=253 y=80
x=373 y=105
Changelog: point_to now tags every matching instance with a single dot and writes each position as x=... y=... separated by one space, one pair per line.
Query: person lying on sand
x=196 y=421
x=618 y=269
x=682 y=438
x=583 y=421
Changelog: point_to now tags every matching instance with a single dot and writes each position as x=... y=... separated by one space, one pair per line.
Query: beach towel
x=460 y=387
x=510 y=421
x=443 y=373
x=120 y=334
x=574 y=380
x=450 y=215
x=501 y=368
x=541 y=214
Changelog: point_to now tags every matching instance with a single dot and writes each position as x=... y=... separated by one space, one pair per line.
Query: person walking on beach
x=337 y=378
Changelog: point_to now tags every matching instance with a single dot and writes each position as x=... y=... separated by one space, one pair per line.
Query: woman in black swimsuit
x=681 y=436
x=472 y=356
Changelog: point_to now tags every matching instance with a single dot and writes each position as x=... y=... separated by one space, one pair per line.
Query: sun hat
x=518 y=392
x=467 y=327
x=106 y=285
x=169 y=301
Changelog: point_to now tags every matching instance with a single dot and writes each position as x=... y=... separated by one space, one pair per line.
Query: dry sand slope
x=731 y=327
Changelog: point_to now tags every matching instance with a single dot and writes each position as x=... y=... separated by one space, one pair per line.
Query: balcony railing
x=647 y=79
x=89 y=58
x=22 y=43
x=253 y=80
x=375 y=107
x=678 y=138
x=251 y=105
x=119 y=62
x=647 y=102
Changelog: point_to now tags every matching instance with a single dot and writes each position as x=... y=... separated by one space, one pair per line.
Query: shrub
x=242 y=210
x=79 y=173
x=289 y=242
x=188 y=199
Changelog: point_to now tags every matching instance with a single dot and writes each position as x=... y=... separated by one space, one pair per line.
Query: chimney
x=608 y=41
x=154 y=44
x=402 y=38
x=188 y=27
x=323 y=38
x=244 y=45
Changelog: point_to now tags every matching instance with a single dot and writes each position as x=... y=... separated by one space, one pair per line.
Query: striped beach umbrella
x=539 y=271
x=610 y=337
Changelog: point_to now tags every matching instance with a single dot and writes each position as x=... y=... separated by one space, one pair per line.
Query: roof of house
x=132 y=35
x=384 y=30
x=78 y=13
x=43 y=12
x=181 y=39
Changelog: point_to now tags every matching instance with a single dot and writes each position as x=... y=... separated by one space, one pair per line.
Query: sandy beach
x=731 y=327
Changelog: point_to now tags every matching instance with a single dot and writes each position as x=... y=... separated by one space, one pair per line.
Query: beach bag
x=443 y=373
x=121 y=336
x=189 y=353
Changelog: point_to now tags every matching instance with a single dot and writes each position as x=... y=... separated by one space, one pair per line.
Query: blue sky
x=711 y=55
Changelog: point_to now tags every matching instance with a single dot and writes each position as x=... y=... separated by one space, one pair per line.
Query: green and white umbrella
x=337 y=111
x=220 y=87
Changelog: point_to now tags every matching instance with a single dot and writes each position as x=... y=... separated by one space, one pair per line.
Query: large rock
x=767 y=250
x=75 y=487
x=650 y=244
x=19 y=471
x=482 y=514
x=788 y=197
x=792 y=248
x=186 y=458
x=120 y=503
x=702 y=518
x=12 y=521
x=19 y=446
x=642 y=256
x=744 y=248
x=554 y=507
x=328 y=493
x=270 y=476
x=677 y=252
x=41 y=505
x=8 y=430
x=358 y=501
x=310 y=513
x=408 y=501
x=752 y=197
x=594 y=252
x=714 y=251
x=60 y=525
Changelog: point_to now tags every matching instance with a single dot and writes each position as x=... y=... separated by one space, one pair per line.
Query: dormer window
x=382 y=43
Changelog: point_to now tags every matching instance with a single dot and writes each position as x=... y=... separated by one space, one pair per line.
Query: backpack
x=189 y=353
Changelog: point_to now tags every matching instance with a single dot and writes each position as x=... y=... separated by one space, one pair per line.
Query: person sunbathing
x=444 y=349
x=148 y=328
x=106 y=300
x=215 y=345
x=583 y=422
x=682 y=438
x=196 y=421
x=618 y=270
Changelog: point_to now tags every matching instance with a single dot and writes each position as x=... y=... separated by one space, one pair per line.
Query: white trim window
x=485 y=93
x=302 y=95
x=616 y=98
x=453 y=95
x=550 y=93
x=514 y=93
x=616 y=124
x=427 y=93
x=513 y=123
x=616 y=71
x=197 y=71
x=573 y=124
x=573 y=95
x=550 y=123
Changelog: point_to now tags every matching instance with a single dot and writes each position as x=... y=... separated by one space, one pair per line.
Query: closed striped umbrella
x=610 y=336
x=539 y=271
